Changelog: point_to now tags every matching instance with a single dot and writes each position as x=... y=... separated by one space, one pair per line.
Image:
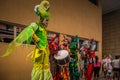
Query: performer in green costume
x=73 y=66
x=36 y=32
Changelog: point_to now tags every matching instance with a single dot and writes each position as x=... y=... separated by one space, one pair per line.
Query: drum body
x=62 y=57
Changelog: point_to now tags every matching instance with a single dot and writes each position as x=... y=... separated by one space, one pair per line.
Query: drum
x=62 y=57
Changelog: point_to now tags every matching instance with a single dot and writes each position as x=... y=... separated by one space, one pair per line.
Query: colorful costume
x=89 y=49
x=40 y=55
x=73 y=66
x=53 y=46
x=64 y=46
x=60 y=70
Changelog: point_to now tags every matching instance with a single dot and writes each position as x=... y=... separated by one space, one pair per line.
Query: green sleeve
x=24 y=36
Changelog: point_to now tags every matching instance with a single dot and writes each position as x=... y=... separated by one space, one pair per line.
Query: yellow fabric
x=41 y=74
x=41 y=68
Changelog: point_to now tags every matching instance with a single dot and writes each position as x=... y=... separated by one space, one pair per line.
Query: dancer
x=88 y=48
x=36 y=32
x=73 y=66
x=54 y=47
x=62 y=69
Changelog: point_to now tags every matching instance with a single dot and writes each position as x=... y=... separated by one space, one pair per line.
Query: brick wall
x=111 y=33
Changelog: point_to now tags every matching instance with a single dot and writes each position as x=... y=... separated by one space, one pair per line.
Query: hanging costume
x=40 y=55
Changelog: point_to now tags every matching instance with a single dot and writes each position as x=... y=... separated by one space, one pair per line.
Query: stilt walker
x=36 y=32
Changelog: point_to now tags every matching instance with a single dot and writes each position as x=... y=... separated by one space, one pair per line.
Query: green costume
x=40 y=55
x=73 y=66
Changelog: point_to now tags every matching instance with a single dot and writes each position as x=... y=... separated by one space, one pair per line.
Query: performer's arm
x=35 y=37
x=35 y=27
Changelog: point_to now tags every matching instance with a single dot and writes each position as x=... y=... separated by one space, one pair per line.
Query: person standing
x=116 y=67
x=97 y=65
x=105 y=64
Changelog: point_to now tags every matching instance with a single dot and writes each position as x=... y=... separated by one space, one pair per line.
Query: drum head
x=61 y=54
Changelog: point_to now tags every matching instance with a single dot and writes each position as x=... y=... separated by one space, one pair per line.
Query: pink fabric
x=97 y=64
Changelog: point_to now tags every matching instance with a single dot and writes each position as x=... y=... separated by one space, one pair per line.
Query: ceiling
x=110 y=5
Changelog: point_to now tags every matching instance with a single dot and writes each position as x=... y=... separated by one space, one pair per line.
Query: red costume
x=89 y=49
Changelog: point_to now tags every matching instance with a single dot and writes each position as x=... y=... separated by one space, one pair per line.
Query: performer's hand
x=40 y=51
